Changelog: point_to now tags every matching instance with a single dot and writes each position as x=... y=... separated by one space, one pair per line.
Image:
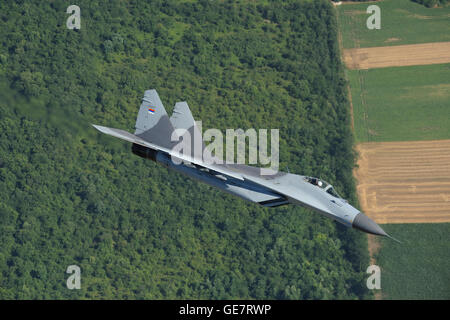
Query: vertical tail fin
x=153 y=123
x=182 y=119
x=150 y=112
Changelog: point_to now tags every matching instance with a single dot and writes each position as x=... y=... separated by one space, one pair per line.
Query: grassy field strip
x=406 y=55
x=401 y=182
x=402 y=22
x=401 y=103
x=418 y=268
x=364 y=109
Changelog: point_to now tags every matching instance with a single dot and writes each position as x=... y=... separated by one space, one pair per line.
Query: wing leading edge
x=124 y=135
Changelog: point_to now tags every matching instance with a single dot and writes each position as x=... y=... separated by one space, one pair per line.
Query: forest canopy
x=432 y=3
x=69 y=196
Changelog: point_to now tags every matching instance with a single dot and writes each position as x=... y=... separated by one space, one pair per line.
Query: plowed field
x=394 y=56
x=405 y=182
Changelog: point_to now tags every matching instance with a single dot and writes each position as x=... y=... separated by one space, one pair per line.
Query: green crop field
x=401 y=103
x=419 y=267
x=402 y=22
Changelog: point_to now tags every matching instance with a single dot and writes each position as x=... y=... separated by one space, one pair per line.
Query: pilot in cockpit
x=316 y=182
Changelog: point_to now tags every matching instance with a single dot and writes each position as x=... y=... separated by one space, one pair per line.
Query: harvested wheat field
x=395 y=56
x=405 y=182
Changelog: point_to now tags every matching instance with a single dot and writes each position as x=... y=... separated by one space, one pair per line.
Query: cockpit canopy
x=323 y=185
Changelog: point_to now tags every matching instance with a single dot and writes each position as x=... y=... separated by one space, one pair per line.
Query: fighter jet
x=153 y=139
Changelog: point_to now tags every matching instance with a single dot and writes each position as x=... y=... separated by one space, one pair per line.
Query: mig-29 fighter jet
x=152 y=140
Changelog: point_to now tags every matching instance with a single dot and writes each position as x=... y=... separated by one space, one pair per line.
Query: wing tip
x=98 y=127
x=105 y=130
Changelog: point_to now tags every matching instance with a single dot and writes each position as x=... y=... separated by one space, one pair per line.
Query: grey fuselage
x=294 y=189
x=153 y=139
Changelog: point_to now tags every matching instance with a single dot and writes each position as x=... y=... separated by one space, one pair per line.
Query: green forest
x=71 y=196
x=427 y=3
x=432 y=3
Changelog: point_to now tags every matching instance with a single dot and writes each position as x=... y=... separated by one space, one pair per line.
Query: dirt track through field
x=405 y=182
x=393 y=56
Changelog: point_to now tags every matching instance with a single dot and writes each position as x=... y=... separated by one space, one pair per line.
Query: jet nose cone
x=364 y=223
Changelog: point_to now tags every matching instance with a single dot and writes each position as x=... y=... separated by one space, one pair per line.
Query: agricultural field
x=397 y=56
x=403 y=174
x=400 y=99
x=405 y=181
x=419 y=267
x=401 y=103
x=402 y=22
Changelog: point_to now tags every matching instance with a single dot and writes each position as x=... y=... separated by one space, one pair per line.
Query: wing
x=127 y=136
x=281 y=183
